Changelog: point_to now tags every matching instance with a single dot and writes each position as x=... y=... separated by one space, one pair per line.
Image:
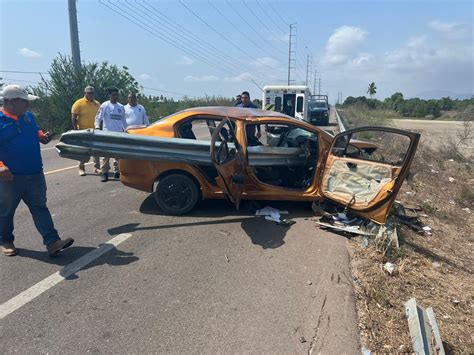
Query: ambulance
x=291 y=100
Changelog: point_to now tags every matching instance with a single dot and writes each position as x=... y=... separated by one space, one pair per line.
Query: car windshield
x=317 y=104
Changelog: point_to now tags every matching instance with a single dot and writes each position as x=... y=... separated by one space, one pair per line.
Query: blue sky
x=227 y=46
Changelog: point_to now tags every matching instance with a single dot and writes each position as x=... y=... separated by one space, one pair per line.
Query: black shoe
x=105 y=177
x=116 y=175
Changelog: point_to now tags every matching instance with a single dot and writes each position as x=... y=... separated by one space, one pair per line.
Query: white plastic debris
x=467 y=210
x=433 y=171
x=436 y=264
x=365 y=243
x=390 y=268
x=427 y=230
x=451 y=160
x=451 y=202
x=451 y=179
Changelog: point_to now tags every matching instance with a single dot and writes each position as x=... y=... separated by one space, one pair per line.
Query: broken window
x=290 y=154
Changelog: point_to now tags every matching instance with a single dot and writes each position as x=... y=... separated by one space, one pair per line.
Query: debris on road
x=302 y=339
x=309 y=282
x=274 y=215
x=226 y=258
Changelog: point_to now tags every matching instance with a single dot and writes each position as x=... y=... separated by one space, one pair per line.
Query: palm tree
x=372 y=90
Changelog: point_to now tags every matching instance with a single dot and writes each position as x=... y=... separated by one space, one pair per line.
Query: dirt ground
x=436 y=269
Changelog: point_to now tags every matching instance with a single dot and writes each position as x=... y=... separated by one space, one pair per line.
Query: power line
x=195 y=41
x=23 y=72
x=259 y=46
x=160 y=36
x=222 y=36
x=20 y=81
x=169 y=92
x=271 y=19
x=271 y=7
x=190 y=43
x=262 y=23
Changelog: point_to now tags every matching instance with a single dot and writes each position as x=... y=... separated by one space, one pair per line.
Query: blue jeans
x=32 y=190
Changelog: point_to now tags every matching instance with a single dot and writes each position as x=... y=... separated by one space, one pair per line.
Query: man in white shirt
x=111 y=116
x=135 y=113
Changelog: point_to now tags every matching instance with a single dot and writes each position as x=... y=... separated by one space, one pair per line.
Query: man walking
x=21 y=172
x=83 y=115
x=135 y=113
x=111 y=115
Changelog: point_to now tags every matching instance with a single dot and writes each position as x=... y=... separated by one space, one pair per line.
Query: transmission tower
x=309 y=67
x=291 y=53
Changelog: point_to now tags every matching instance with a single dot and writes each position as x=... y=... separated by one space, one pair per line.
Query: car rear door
x=365 y=168
x=227 y=157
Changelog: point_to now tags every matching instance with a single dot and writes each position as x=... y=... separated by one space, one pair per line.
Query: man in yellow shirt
x=83 y=112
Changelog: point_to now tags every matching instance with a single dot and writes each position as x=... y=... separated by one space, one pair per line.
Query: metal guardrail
x=341 y=122
x=424 y=331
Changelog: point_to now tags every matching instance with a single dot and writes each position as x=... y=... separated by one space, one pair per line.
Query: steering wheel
x=222 y=154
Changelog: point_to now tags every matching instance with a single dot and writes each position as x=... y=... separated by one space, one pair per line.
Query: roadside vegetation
x=409 y=108
x=436 y=268
x=65 y=84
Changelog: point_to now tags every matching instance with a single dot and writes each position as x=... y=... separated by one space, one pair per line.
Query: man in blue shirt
x=21 y=172
x=252 y=136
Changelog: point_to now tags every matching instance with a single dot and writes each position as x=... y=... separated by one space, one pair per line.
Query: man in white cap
x=83 y=117
x=21 y=171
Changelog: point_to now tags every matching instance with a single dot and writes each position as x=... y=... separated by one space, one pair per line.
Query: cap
x=16 y=92
x=89 y=89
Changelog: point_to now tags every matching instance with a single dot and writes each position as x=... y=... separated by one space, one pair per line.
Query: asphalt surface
x=217 y=280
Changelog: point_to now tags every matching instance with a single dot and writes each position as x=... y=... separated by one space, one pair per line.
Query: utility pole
x=290 y=52
x=314 y=81
x=76 y=53
x=309 y=65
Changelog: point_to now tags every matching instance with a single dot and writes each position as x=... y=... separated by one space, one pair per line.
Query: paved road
x=169 y=286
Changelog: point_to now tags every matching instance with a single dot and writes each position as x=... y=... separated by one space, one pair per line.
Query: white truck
x=288 y=99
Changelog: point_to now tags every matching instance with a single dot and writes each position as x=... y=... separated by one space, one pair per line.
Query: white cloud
x=265 y=62
x=344 y=45
x=450 y=30
x=28 y=53
x=184 y=60
x=200 y=79
x=239 y=78
x=144 y=76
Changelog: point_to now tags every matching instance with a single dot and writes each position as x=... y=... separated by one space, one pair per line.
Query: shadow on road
x=261 y=232
x=113 y=257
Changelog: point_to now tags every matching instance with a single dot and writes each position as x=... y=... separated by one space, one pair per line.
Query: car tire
x=176 y=194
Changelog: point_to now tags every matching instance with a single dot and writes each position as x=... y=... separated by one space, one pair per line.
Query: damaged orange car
x=252 y=154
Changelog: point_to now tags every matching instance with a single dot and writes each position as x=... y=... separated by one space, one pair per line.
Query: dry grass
x=437 y=270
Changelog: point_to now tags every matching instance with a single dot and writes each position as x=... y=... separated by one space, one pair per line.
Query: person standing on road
x=135 y=113
x=238 y=100
x=111 y=116
x=250 y=128
x=83 y=115
x=21 y=172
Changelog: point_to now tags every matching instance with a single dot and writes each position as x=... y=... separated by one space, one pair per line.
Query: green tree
x=66 y=85
x=372 y=90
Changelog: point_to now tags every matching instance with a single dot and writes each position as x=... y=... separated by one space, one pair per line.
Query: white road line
x=64 y=169
x=44 y=285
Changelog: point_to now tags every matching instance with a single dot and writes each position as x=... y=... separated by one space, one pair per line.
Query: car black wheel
x=176 y=194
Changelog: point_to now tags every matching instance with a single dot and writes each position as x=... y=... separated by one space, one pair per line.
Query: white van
x=291 y=100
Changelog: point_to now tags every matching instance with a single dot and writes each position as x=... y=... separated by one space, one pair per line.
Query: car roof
x=235 y=112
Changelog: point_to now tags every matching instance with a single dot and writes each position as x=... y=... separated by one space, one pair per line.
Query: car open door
x=365 y=168
x=227 y=157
